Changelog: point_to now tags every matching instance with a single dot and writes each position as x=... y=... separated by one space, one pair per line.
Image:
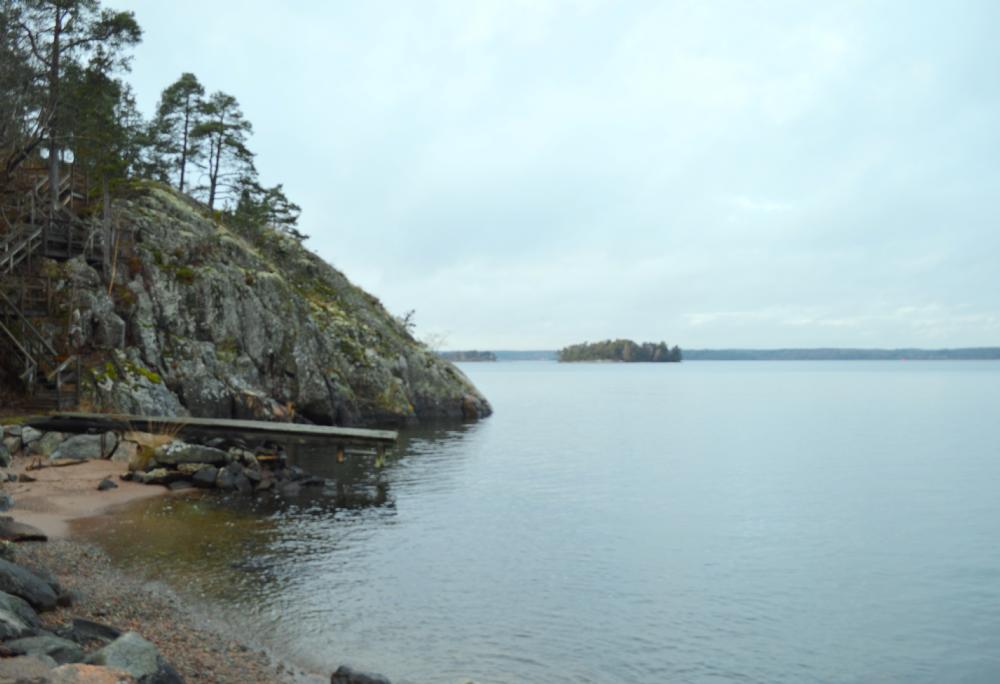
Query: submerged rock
x=105 y=485
x=347 y=675
x=205 y=477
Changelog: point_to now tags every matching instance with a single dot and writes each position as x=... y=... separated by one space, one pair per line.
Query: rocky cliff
x=204 y=319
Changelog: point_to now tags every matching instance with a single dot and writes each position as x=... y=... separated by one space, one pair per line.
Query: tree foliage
x=621 y=350
x=178 y=114
x=228 y=162
x=58 y=37
x=61 y=89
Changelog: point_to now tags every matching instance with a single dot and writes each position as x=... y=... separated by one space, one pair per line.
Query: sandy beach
x=105 y=593
x=60 y=495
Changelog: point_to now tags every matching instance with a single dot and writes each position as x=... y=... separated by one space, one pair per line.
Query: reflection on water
x=258 y=559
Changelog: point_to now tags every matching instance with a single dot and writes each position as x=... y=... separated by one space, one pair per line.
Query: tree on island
x=622 y=350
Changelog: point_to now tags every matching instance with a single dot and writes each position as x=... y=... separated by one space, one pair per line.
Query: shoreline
x=58 y=496
x=107 y=593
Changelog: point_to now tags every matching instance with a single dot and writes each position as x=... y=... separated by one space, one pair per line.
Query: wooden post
x=379 y=456
x=340 y=453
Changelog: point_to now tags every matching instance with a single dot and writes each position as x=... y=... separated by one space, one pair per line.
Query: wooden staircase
x=50 y=379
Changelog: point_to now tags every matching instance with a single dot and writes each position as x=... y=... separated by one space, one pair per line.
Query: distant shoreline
x=794 y=354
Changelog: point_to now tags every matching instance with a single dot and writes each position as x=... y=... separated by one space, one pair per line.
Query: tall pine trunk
x=54 y=105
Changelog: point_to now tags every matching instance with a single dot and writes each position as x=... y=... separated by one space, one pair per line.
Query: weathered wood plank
x=278 y=432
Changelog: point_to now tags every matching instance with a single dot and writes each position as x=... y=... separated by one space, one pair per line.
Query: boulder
x=23 y=583
x=290 y=489
x=226 y=479
x=5 y=456
x=182 y=452
x=105 y=485
x=205 y=478
x=13 y=627
x=140 y=658
x=87 y=447
x=11 y=530
x=243 y=484
x=79 y=673
x=26 y=669
x=11 y=431
x=20 y=608
x=189 y=469
x=347 y=675
x=13 y=444
x=265 y=484
x=6 y=501
x=59 y=649
x=29 y=435
x=126 y=452
x=45 y=445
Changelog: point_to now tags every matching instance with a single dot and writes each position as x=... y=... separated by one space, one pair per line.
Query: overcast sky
x=713 y=174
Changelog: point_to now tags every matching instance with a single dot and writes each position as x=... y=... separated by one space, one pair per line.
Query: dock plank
x=278 y=432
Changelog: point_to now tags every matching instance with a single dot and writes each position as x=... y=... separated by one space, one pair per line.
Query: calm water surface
x=707 y=522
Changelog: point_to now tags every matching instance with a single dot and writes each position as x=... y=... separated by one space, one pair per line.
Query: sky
x=528 y=175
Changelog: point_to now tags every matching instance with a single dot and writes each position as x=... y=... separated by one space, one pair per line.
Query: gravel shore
x=106 y=594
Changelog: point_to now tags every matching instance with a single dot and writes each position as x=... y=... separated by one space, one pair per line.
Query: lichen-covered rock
x=177 y=453
x=46 y=445
x=209 y=322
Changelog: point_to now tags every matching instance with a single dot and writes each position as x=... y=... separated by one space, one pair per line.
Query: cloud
x=531 y=174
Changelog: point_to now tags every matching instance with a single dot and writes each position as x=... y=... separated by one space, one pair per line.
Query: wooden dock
x=290 y=435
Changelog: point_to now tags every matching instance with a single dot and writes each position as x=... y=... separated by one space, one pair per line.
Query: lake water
x=701 y=522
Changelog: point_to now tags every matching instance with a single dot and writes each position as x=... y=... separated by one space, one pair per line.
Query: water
x=701 y=522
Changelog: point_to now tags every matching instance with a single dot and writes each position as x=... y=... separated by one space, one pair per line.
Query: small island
x=625 y=351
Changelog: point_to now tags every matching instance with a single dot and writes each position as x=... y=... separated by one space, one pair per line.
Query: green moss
x=227 y=350
x=185 y=274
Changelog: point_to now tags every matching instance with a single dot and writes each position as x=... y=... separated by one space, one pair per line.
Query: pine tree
x=179 y=113
x=62 y=34
x=223 y=131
